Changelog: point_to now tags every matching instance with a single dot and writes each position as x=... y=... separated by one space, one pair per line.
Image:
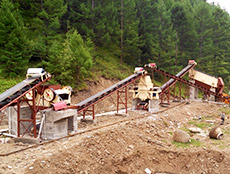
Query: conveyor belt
x=16 y=88
x=8 y=97
x=173 y=80
x=95 y=98
x=207 y=91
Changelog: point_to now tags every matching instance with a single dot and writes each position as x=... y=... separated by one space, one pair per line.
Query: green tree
x=44 y=22
x=131 y=39
x=14 y=53
x=107 y=28
x=185 y=33
x=220 y=65
x=147 y=28
x=74 y=60
x=164 y=49
x=80 y=16
x=203 y=26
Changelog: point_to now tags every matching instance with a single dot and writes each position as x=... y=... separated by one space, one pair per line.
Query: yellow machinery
x=144 y=93
x=51 y=94
x=145 y=89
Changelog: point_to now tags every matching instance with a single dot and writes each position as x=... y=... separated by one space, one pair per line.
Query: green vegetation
x=201 y=125
x=8 y=83
x=77 y=39
x=226 y=110
x=192 y=143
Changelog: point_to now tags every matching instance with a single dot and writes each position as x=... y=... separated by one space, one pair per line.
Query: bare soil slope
x=143 y=141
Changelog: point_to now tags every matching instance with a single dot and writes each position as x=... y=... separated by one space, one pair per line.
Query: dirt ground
x=125 y=145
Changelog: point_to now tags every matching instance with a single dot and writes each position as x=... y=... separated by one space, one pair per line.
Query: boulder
x=181 y=136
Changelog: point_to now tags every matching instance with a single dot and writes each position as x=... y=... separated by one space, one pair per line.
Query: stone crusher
x=52 y=96
x=24 y=100
x=145 y=95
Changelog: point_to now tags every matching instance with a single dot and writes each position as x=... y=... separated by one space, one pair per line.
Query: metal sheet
x=16 y=88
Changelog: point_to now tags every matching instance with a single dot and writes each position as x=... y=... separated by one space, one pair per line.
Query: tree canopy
x=64 y=36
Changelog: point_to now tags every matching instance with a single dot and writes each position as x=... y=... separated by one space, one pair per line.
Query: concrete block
x=153 y=106
x=25 y=113
x=193 y=92
x=56 y=130
x=58 y=124
x=134 y=103
x=212 y=97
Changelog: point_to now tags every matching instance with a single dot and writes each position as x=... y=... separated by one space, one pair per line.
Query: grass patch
x=201 y=125
x=226 y=131
x=7 y=83
x=226 y=110
x=107 y=64
x=192 y=143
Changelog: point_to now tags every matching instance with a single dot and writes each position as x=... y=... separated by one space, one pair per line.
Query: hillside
x=74 y=40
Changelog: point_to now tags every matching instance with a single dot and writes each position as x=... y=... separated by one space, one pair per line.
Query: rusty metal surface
x=207 y=91
x=171 y=81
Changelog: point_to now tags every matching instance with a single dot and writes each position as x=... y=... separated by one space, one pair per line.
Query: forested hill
x=74 y=39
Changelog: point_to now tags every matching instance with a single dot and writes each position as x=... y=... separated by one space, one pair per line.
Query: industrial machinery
x=144 y=91
x=47 y=95
x=207 y=81
x=35 y=77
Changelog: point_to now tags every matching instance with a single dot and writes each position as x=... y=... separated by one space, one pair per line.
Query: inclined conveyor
x=99 y=96
x=173 y=80
x=10 y=96
x=178 y=77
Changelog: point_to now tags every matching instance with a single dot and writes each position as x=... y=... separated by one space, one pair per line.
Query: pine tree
x=220 y=65
x=147 y=28
x=203 y=26
x=165 y=53
x=106 y=19
x=81 y=17
x=74 y=60
x=185 y=33
x=14 y=54
x=130 y=33
x=43 y=19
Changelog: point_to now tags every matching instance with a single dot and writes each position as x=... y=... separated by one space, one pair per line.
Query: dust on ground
x=132 y=146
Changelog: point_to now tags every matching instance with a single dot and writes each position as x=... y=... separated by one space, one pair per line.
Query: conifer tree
x=74 y=60
x=130 y=33
x=203 y=26
x=44 y=22
x=221 y=44
x=147 y=28
x=164 y=50
x=14 y=53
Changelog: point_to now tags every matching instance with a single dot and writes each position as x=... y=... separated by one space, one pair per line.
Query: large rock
x=181 y=136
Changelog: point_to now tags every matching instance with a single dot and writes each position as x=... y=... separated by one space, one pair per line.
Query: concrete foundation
x=212 y=97
x=154 y=106
x=134 y=103
x=58 y=124
x=193 y=92
x=11 y=113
